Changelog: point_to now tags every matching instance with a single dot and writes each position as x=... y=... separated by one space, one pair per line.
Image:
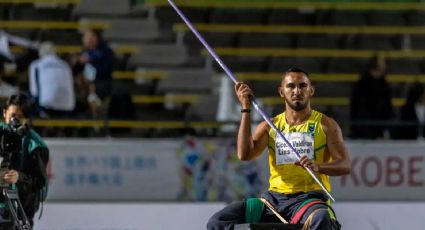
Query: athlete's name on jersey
x=288 y=152
x=295 y=144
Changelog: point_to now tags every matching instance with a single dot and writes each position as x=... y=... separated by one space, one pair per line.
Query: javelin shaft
x=254 y=103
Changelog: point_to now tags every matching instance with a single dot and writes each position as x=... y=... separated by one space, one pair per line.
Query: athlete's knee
x=321 y=220
x=226 y=218
x=214 y=222
x=322 y=215
x=220 y=221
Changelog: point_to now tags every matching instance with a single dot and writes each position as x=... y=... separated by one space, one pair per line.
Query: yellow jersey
x=308 y=139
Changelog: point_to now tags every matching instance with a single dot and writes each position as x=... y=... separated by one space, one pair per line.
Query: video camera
x=11 y=141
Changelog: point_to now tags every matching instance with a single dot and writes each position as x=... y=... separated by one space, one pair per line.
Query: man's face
x=89 y=40
x=13 y=111
x=297 y=90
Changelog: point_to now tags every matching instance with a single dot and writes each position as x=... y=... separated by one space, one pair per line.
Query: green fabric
x=305 y=202
x=254 y=210
x=319 y=148
x=330 y=210
x=35 y=141
x=30 y=142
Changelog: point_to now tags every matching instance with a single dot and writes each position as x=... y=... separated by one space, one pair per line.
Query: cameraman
x=27 y=170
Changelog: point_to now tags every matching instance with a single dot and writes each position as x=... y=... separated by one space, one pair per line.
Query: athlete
x=293 y=193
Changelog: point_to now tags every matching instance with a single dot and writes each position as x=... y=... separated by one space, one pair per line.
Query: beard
x=297 y=106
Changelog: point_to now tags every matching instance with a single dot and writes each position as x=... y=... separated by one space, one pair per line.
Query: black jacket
x=31 y=164
x=370 y=102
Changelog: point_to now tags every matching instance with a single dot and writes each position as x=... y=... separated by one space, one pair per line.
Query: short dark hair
x=21 y=101
x=297 y=70
x=98 y=34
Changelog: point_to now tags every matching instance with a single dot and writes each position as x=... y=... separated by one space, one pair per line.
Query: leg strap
x=303 y=208
x=254 y=210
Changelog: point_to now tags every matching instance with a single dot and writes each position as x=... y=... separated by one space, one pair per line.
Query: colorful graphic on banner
x=210 y=171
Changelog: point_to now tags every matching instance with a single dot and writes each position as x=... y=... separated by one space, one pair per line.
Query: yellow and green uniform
x=309 y=139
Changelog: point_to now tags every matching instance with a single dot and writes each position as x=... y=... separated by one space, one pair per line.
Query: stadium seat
x=346 y=17
x=312 y=65
x=319 y=41
x=405 y=66
x=251 y=64
x=376 y=42
x=334 y=89
x=386 y=18
x=205 y=109
x=415 y=18
x=30 y=12
x=265 y=88
x=131 y=30
x=293 y=17
x=230 y=61
x=346 y=65
x=157 y=55
x=4 y=11
x=242 y=64
x=186 y=81
x=168 y=17
x=267 y=40
x=238 y=16
x=61 y=37
x=417 y=42
x=213 y=39
x=102 y=7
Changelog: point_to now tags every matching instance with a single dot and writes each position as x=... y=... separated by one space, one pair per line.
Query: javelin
x=252 y=99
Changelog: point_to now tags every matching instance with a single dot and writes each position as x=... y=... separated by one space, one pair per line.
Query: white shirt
x=52 y=82
x=420 y=113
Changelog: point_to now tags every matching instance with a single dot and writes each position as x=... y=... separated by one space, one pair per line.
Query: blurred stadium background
x=159 y=151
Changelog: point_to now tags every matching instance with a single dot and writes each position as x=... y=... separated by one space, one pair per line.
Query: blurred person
x=412 y=114
x=97 y=62
x=51 y=84
x=6 y=89
x=291 y=185
x=371 y=101
x=23 y=60
x=27 y=171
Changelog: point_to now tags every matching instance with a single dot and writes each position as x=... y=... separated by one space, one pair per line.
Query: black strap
x=37 y=82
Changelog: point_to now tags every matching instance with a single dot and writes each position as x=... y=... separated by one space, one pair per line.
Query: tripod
x=20 y=220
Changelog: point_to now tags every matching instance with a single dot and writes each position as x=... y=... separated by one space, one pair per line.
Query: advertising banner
x=191 y=169
x=383 y=171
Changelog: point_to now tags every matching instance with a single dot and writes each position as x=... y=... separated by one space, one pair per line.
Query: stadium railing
x=305 y=29
x=317 y=77
x=275 y=4
x=339 y=53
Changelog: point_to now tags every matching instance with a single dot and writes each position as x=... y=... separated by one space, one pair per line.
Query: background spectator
x=412 y=114
x=51 y=84
x=96 y=63
x=6 y=89
x=371 y=101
